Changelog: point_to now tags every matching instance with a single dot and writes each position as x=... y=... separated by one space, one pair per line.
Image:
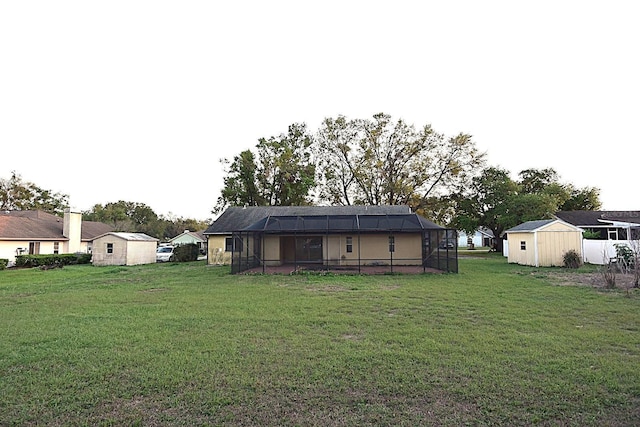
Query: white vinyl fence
x=601 y=251
x=596 y=251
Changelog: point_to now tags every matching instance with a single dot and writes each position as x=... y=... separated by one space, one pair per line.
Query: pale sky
x=116 y=100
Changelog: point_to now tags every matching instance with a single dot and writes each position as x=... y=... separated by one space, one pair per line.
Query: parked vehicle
x=165 y=253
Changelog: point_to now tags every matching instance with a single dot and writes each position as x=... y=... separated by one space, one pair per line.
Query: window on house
x=392 y=244
x=228 y=244
x=349 y=244
x=56 y=247
x=34 y=248
x=109 y=248
x=523 y=245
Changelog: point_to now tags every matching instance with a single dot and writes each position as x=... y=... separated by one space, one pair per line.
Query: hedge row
x=3 y=263
x=52 y=259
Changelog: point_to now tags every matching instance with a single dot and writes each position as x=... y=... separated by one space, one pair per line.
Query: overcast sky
x=117 y=100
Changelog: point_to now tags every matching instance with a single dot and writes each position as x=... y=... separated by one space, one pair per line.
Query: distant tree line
x=380 y=161
x=18 y=194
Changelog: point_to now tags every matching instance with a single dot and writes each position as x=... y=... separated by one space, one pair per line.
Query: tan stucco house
x=329 y=237
x=39 y=232
x=543 y=243
x=118 y=248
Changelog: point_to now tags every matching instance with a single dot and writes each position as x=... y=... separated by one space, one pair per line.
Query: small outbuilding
x=543 y=243
x=118 y=248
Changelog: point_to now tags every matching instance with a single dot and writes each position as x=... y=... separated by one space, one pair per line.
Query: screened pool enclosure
x=344 y=243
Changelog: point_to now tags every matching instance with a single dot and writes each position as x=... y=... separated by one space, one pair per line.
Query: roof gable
x=197 y=236
x=538 y=225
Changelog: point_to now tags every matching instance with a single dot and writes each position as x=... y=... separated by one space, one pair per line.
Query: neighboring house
x=39 y=232
x=608 y=225
x=542 y=243
x=606 y=229
x=345 y=237
x=116 y=248
x=482 y=237
x=190 y=237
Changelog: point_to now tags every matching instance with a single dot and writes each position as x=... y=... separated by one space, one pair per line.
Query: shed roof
x=140 y=237
x=531 y=226
x=239 y=218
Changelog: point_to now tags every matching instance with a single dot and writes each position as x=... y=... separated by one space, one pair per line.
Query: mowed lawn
x=187 y=344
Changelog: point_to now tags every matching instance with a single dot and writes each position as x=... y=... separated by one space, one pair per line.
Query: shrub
x=3 y=263
x=593 y=235
x=46 y=260
x=571 y=259
x=186 y=253
x=83 y=258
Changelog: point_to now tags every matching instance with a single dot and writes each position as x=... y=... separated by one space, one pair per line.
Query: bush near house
x=572 y=259
x=3 y=263
x=186 y=253
x=51 y=260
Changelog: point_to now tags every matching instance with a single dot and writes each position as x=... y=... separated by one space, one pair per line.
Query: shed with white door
x=543 y=243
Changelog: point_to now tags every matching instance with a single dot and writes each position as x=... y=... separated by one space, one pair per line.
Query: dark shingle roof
x=237 y=218
x=597 y=218
x=343 y=223
x=39 y=225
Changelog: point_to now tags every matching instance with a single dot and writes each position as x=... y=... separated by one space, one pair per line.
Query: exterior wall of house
x=187 y=239
x=216 y=250
x=553 y=244
x=476 y=239
x=371 y=249
x=9 y=248
x=271 y=249
x=517 y=255
x=407 y=249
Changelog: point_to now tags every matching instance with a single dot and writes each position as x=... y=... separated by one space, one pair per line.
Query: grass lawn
x=187 y=344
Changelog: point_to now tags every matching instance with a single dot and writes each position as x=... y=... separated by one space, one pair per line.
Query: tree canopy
x=17 y=194
x=497 y=202
x=140 y=218
x=362 y=161
x=281 y=172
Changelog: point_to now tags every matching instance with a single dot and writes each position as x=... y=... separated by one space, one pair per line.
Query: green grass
x=187 y=344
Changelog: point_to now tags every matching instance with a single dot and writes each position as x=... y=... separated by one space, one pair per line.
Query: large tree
x=495 y=201
x=568 y=197
x=379 y=161
x=124 y=216
x=280 y=173
x=17 y=194
x=241 y=182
